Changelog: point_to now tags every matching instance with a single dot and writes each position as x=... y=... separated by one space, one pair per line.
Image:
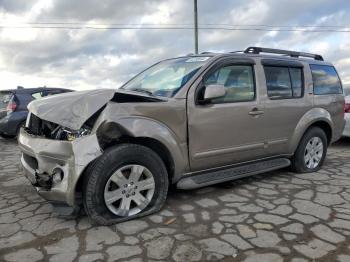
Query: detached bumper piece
x=54 y=167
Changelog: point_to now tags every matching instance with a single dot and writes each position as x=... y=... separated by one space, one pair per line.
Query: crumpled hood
x=71 y=110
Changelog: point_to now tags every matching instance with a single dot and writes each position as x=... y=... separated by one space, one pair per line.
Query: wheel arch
x=325 y=127
x=316 y=117
x=150 y=133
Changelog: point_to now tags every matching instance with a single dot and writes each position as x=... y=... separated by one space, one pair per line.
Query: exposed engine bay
x=39 y=127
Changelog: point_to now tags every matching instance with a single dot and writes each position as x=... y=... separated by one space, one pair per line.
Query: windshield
x=167 y=77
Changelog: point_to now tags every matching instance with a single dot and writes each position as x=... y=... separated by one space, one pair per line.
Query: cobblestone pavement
x=278 y=216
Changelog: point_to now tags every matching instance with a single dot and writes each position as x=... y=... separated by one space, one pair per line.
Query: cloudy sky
x=97 y=58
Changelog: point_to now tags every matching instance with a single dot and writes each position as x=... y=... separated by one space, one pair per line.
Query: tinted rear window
x=326 y=80
x=5 y=97
x=284 y=82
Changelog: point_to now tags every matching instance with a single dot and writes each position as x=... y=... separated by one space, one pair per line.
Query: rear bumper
x=10 y=123
x=6 y=126
x=42 y=158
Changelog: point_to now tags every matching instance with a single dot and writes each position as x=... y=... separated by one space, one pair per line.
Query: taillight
x=11 y=107
x=347 y=108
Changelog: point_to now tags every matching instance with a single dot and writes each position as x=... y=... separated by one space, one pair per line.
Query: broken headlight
x=67 y=134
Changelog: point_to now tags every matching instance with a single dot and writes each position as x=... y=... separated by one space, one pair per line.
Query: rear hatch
x=5 y=98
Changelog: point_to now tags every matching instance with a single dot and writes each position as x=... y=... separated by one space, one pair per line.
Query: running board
x=232 y=173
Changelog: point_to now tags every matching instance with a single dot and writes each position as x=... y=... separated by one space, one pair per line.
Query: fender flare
x=143 y=127
x=311 y=117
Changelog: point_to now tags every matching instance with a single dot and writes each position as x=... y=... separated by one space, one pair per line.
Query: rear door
x=285 y=102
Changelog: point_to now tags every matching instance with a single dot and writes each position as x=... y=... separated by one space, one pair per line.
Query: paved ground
x=273 y=217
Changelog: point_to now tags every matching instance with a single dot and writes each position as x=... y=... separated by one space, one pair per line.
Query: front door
x=226 y=130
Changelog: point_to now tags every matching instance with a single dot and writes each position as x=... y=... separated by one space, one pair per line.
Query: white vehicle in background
x=346 y=131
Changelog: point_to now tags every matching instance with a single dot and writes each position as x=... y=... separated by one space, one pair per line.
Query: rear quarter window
x=326 y=80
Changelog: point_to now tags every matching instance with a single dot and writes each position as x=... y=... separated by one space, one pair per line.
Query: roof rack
x=258 y=50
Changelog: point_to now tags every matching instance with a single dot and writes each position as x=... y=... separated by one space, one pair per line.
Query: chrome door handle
x=256 y=112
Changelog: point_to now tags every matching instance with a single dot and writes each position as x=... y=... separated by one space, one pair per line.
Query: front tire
x=311 y=152
x=126 y=182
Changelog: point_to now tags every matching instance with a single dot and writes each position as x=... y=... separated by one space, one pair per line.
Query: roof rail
x=258 y=50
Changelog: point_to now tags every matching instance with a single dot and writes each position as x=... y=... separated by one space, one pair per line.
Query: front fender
x=308 y=119
x=143 y=127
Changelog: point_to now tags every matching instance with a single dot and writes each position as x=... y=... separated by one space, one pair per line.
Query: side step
x=232 y=173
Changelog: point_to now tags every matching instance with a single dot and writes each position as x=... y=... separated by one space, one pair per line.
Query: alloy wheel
x=129 y=190
x=313 y=152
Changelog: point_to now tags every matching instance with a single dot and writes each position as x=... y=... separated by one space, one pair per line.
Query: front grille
x=34 y=125
x=39 y=127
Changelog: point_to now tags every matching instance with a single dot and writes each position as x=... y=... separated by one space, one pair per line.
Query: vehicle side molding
x=213 y=177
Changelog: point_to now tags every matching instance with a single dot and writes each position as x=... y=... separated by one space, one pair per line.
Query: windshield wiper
x=141 y=90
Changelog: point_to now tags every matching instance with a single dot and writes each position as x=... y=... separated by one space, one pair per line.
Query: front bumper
x=42 y=157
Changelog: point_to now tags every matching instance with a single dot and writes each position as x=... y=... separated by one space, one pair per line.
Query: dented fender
x=116 y=121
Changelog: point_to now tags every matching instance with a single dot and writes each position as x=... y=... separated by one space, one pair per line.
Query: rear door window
x=326 y=80
x=284 y=82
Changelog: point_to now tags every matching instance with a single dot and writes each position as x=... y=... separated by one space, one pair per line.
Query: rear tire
x=311 y=151
x=126 y=182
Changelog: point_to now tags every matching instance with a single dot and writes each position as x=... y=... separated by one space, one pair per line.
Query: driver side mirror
x=213 y=91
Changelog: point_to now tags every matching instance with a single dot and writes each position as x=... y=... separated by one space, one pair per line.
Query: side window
x=238 y=81
x=283 y=82
x=296 y=75
x=326 y=80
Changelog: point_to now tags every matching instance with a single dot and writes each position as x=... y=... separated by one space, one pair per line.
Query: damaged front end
x=57 y=143
x=54 y=166
x=50 y=130
x=60 y=138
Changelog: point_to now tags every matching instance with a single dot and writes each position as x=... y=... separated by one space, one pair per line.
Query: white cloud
x=252 y=13
x=85 y=59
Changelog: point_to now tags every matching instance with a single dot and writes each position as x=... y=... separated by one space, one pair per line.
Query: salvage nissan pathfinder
x=191 y=121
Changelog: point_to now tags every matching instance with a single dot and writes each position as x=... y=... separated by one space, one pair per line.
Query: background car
x=346 y=132
x=13 y=106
